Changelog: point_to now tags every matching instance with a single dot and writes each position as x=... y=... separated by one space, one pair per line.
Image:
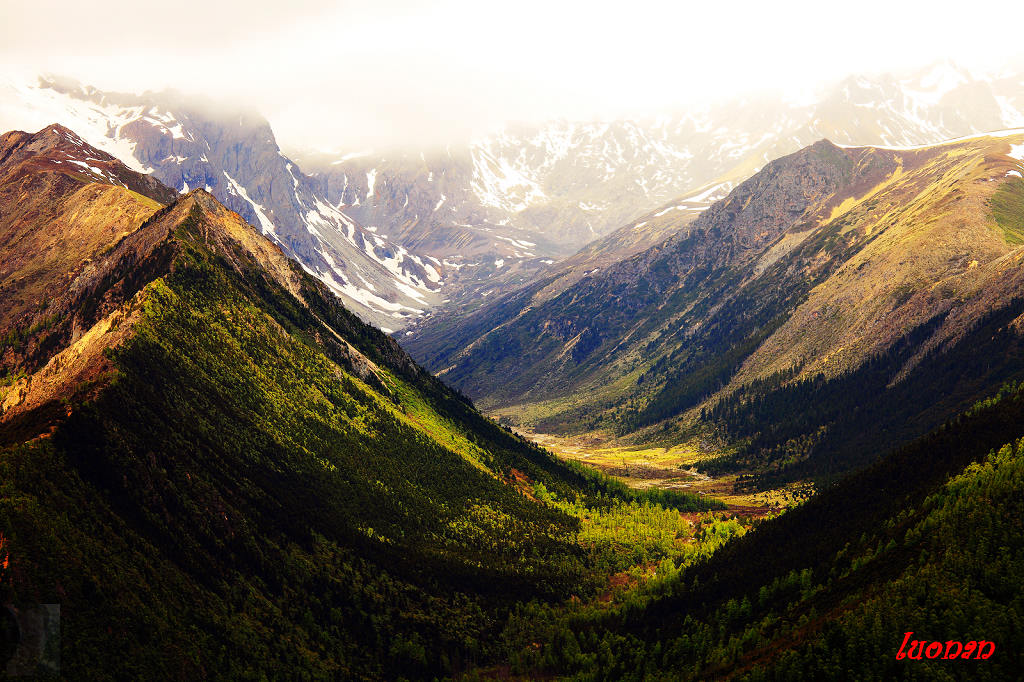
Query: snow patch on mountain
x=234 y=188
x=29 y=108
x=497 y=183
x=371 y=180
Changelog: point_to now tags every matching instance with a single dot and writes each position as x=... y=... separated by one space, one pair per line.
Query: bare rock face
x=56 y=145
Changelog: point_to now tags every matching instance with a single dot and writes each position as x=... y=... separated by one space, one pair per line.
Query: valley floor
x=671 y=468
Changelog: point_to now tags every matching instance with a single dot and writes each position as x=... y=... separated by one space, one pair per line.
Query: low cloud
x=348 y=76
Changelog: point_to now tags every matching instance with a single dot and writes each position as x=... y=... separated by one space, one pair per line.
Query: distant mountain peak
x=62 y=150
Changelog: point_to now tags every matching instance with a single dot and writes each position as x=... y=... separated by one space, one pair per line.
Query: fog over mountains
x=401 y=233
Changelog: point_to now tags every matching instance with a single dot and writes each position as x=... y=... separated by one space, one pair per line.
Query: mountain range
x=532 y=193
x=400 y=233
x=832 y=270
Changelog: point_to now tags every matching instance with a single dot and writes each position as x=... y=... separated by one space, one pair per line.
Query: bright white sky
x=353 y=75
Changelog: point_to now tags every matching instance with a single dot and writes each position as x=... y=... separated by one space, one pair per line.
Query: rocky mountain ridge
x=188 y=143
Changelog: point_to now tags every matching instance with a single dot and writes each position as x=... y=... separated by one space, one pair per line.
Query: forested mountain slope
x=219 y=471
x=926 y=541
